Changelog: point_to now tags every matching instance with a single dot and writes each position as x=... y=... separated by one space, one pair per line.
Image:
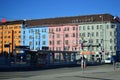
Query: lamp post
x=102 y=38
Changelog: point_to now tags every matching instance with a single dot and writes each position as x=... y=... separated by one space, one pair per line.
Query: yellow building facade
x=10 y=33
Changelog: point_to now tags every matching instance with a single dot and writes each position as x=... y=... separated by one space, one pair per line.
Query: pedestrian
x=83 y=62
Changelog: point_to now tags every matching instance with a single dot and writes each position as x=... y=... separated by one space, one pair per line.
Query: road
x=101 y=72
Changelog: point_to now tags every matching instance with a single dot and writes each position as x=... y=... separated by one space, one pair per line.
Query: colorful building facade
x=64 y=34
x=10 y=34
x=35 y=37
x=64 y=37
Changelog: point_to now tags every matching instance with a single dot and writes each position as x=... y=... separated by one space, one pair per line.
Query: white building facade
x=100 y=36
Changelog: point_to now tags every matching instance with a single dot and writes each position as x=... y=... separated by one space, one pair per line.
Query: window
x=73 y=28
x=58 y=35
x=10 y=27
x=30 y=37
x=23 y=37
x=97 y=26
x=49 y=30
x=19 y=41
x=111 y=48
x=51 y=35
x=115 y=41
x=32 y=30
x=8 y=32
x=43 y=36
x=36 y=31
x=65 y=29
x=66 y=35
x=92 y=27
x=80 y=34
x=30 y=43
x=83 y=34
x=79 y=27
x=5 y=36
x=15 y=31
x=23 y=32
x=83 y=27
x=115 y=47
x=92 y=34
x=110 y=33
x=73 y=34
x=68 y=29
x=101 y=26
x=37 y=37
x=8 y=36
x=56 y=29
x=58 y=42
x=76 y=35
x=88 y=34
x=97 y=41
x=96 y=33
x=107 y=26
x=52 y=30
x=50 y=42
x=15 y=27
x=66 y=42
x=44 y=43
x=112 y=26
x=101 y=40
x=76 y=28
x=59 y=29
x=37 y=43
x=88 y=27
x=110 y=40
x=19 y=36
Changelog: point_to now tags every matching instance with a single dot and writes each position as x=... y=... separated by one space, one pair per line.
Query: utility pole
x=103 y=53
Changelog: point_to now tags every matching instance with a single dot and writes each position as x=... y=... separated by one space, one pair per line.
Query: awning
x=87 y=52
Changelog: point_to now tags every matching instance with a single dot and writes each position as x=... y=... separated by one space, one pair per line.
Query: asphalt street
x=101 y=72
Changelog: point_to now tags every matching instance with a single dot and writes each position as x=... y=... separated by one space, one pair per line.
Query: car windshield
x=108 y=59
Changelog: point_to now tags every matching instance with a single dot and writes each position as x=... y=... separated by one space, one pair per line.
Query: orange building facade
x=10 y=33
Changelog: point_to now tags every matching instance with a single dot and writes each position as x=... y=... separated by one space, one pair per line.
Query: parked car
x=108 y=60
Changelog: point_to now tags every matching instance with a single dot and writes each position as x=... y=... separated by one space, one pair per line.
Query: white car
x=108 y=60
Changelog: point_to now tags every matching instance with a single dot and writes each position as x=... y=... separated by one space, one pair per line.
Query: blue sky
x=37 y=9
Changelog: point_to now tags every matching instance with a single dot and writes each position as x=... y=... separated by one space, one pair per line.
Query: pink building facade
x=64 y=37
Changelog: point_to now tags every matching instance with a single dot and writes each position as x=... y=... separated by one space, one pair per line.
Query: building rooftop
x=65 y=20
x=73 y=19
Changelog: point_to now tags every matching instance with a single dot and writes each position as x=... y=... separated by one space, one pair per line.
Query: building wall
x=35 y=37
x=64 y=37
x=101 y=33
x=10 y=34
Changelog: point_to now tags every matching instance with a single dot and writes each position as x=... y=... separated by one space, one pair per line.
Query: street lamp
x=102 y=49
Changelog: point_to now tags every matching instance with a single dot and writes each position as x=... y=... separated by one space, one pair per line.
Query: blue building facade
x=35 y=37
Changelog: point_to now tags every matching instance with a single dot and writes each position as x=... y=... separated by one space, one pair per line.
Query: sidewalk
x=89 y=74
